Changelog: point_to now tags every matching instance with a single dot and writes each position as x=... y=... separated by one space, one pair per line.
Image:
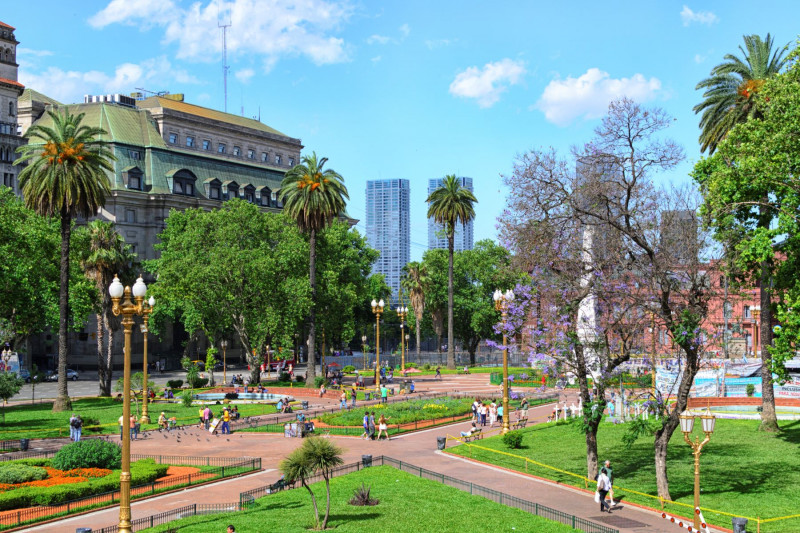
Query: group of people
x=133 y=426
x=283 y=405
x=206 y=415
x=369 y=426
x=605 y=485
x=75 y=428
x=166 y=423
x=490 y=413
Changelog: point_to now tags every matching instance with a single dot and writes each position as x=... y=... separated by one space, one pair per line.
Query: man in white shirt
x=603 y=486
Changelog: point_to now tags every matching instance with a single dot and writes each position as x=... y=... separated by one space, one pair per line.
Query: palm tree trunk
x=109 y=355
x=311 y=365
x=62 y=402
x=451 y=353
x=313 y=501
x=101 y=356
x=419 y=333
x=328 y=504
x=769 y=419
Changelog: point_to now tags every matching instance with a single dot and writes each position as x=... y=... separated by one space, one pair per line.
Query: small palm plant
x=316 y=456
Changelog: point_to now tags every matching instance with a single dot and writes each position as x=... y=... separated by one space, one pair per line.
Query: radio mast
x=224 y=22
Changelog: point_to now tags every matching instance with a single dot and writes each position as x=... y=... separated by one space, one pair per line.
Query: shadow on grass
x=351 y=517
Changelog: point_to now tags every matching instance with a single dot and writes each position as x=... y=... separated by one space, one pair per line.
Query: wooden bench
x=475 y=435
x=521 y=423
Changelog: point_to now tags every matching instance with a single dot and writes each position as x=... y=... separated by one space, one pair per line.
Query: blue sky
x=413 y=89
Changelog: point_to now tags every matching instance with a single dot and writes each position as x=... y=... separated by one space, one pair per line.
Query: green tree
x=65 y=176
x=313 y=197
x=10 y=384
x=316 y=456
x=449 y=205
x=414 y=281
x=732 y=97
x=234 y=268
x=104 y=253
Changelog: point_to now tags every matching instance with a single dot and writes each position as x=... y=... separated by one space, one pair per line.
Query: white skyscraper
x=388 y=228
x=463 y=234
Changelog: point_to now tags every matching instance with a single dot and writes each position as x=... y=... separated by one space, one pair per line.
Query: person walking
x=499 y=412
x=365 y=421
x=603 y=486
x=383 y=427
x=200 y=413
x=475 y=405
x=372 y=425
x=492 y=414
x=438 y=374
x=343 y=400
x=384 y=394
x=72 y=427
x=484 y=409
x=134 y=432
x=226 y=421
x=609 y=472
x=207 y=414
x=353 y=397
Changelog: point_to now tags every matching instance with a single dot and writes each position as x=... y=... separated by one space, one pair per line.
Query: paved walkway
x=416 y=448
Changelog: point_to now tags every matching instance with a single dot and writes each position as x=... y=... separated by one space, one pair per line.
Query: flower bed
x=59 y=477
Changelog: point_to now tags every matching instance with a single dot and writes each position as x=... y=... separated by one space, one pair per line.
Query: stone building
x=10 y=90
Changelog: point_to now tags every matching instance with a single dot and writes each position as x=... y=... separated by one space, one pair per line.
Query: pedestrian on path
x=384 y=394
x=603 y=486
x=343 y=400
x=484 y=409
x=372 y=425
x=365 y=435
x=226 y=421
x=72 y=427
x=134 y=430
x=500 y=414
x=438 y=374
x=383 y=427
x=523 y=409
x=353 y=396
x=492 y=413
x=207 y=415
x=609 y=472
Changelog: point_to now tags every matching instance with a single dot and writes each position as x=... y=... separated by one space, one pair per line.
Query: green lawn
x=402 y=412
x=38 y=420
x=743 y=471
x=407 y=504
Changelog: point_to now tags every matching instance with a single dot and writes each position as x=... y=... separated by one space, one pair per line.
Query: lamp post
x=377 y=308
x=756 y=327
x=402 y=312
x=364 y=349
x=224 y=345
x=127 y=308
x=687 y=425
x=146 y=310
x=501 y=303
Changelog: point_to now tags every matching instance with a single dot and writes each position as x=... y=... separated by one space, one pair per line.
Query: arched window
x=11 y=109
x=183 y=182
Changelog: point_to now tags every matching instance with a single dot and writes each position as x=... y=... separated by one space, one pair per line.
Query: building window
x=251 y=154
x=135 y=182
x=183 y=183
x=265 y=197
x=277 y=160
x=221 y=148
x=291 y=161
x=189 y=141
x=214 y=192
x=233 y=192
x=747 y=313
x=264 y=157
x=173 y=138
x=249 y=195
x=206 y=145
x=130 y=216
x=135 y=154
x=237 y=151
x=133 y=178
x=11 y=109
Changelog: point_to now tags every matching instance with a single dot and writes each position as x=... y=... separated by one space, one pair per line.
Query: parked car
x=53 y=376
x=25 y=374
x=201 y=365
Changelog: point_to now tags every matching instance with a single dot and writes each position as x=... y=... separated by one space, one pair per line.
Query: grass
x=406 y=502
x=402 y=412
x=38 y=421
x=742 y=471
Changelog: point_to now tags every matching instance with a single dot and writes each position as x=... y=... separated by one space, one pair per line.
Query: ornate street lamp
x=364 y=349
x=224 y=345
x=128 y=309
x=756 y=328
x=687 y=425
x=402 y=312
x=377 y=308
x=501 y=303
x=146 y=310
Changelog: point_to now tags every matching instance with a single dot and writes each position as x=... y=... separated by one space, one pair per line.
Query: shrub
x=175 y=383
x=92 y=453
x=231 y=395
x=361 y=497
x=284 y=377
x=318 y=381
x=186 y=398
x=198 y=382
x=92 y=425
x=513 y=439
x=750 y=390
x=348 y=369
x=13 y=473
x=300 y=379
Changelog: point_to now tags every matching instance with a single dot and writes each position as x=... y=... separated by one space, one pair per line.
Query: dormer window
x=213 y=189
x=250 y=194
x=133 y=177
x=182 y=182
x=266 y=196
x=233 y=190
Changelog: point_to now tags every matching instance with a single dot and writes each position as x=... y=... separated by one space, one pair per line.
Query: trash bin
x=366 y=461
x=23 y=444
x=304 y=403
x=367 y=396
x=739 y=524
x=83 y=530
x=441 y=442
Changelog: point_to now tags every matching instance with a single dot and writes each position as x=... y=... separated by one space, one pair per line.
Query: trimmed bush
x=231 y=395
x=198 y=382
x=513 y=439
x=92 y=453
x=14 y=473
x=348 y=369
x=285 y=377
x=175 y=383
x=318 y=381
x=186 y=398
x=300 y=379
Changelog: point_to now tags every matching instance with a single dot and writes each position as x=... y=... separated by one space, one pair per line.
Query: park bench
x=279 y=486
x=521 y=423
x=474 y=436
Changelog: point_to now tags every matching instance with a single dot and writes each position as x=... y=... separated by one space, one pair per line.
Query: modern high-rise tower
x=388 y=228
x=463 y=234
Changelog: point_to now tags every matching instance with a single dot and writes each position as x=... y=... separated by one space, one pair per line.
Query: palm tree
x=414 y=279
x=449 y=205
x=730 y=90
x=730 y=100
x=104 y=255
x=313 y=197
x=66 y=177
x=316 y=456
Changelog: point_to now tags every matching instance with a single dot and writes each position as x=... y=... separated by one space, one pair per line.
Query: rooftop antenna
x=224 y=24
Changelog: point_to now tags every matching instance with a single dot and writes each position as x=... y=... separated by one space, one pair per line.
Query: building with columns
x=10 y=91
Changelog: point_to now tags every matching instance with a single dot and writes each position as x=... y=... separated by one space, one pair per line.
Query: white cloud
x=702 y=17
x=70 y=86
x=376 y=59
x=378 y=39
x=699 y=59
x=30 y=52
x=273 y=30
x=437 y=43
x=487 y=84
x=244 y=75
x=405 y=30
x=588 y=95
